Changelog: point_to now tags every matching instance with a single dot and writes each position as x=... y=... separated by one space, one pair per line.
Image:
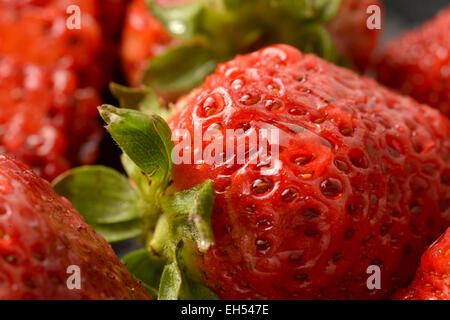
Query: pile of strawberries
x=359 y=181
x=51 y=80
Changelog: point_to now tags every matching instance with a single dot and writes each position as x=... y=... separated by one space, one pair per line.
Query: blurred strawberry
x=109 y=13
x=46 y=120
x=36 y=31
x=39 y=34
x=418 y=63
x=353 y=39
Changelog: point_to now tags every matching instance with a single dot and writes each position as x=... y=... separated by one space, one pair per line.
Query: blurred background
x=407 y=14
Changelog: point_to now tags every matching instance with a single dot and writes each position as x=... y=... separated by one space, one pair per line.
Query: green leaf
x=102 y=195
x=310 y=10
x=117 y=232
x=171 y=281
x=143 y=99
x=142 y=181
x=187 y=215
x=328 y=9
x=147 y=141
x=184 y=231
x=178 y=283
x=314 y=38
x=146 y=267
x=196 y=290
x=105 y=198
x=181 y=68
x=183 y=20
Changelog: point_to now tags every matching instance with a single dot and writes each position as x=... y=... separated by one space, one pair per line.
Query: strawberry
x=432 y=280
x=36 y=31
x=351 y=35
x=351 y=189
x=168 y=36
x=41 y=235
x=361 y=179
x=38 y=34
x=418 y=63
x=46 y=120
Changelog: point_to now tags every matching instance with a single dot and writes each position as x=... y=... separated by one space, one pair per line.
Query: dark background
x=400 y=15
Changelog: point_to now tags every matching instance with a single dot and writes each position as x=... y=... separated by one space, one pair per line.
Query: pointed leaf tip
x=147 y=141
x=108 y=113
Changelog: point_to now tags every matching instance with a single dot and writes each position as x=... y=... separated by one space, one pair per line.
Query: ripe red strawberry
x=41 y=235
x=351 y=35
x=432 y=280
x=363 y=178
x=418 y=63
x=144 y=36
x=46 y=120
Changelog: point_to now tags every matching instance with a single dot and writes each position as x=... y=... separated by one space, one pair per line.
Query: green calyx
x=173 y=227
x=212 y=31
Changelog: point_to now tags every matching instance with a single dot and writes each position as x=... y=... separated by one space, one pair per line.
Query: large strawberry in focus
x=173 y=45
x=42 y=236
x=46 y=120
x=361 y=178
x=418 y=63
x=432 y=280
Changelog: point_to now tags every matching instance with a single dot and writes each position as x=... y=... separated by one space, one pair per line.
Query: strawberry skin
x=418 y=63
x=46 y=120
x=41 y=235
x=432 y=280
x=363 y=178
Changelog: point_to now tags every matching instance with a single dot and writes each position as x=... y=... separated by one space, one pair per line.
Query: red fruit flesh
x=432 y=280
x=353 y=39
x=41 y=235
x=362 y=178
x=418 y=63
x=45 y=119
